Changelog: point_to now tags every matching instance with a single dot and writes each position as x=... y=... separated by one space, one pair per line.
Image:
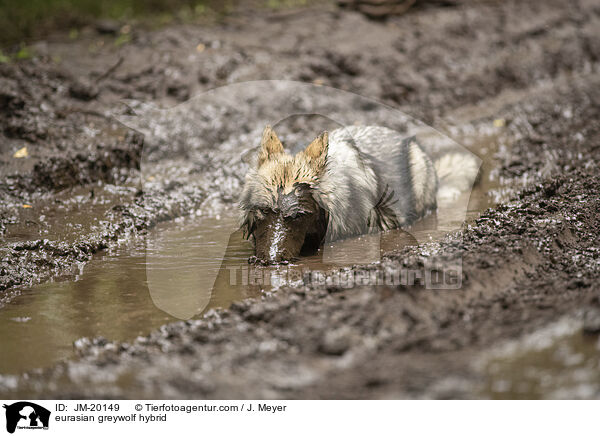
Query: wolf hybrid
x=352 y=181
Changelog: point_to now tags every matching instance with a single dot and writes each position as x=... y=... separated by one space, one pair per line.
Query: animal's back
x=376 y=180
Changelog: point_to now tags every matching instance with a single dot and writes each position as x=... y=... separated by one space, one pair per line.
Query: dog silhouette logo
x=26 y=415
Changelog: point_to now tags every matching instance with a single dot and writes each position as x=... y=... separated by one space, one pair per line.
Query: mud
x=527 y=73
x=120 y=294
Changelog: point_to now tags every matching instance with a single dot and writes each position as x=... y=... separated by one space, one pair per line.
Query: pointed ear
x=316 y=152
x=270 y=145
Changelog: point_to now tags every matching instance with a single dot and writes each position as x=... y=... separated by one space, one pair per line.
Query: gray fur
x=364 y=164
x=373 y=179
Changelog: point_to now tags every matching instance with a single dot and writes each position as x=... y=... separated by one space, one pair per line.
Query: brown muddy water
x=184 y=268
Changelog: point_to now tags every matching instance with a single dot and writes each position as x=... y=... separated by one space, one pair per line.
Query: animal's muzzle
x=279 y=241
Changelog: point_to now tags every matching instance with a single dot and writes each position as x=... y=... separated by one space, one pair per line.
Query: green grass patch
x=26 y=20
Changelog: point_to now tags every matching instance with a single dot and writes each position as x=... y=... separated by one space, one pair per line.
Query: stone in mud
x=83 y=90
x=336 y=342
x=9 y=99
x=107 y=27
x=591 y=321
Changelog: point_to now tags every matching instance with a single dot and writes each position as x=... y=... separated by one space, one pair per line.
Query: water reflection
x=109 y=299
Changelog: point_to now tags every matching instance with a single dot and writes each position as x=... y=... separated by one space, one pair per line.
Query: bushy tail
x=457 y=173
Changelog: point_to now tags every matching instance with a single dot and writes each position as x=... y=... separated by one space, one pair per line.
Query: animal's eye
x=260 y=214
x=297 y=215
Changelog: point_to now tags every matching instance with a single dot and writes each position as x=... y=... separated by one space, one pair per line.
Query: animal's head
x=280 y=210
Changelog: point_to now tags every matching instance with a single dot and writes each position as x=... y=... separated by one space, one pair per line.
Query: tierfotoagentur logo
x=433 y=275
x=25 y=415
x=280 y=168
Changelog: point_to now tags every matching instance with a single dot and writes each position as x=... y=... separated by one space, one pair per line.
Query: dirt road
x=529 y=70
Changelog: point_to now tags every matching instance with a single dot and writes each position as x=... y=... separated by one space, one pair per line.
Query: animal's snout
x=278 y=235
x=283 y=256
x=278 y=240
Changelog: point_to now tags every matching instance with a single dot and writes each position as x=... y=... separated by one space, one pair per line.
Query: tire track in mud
x=41 y=105
x=525 y=262
x=320 y=342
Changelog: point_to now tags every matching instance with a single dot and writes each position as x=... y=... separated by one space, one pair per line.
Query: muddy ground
x=527 y=262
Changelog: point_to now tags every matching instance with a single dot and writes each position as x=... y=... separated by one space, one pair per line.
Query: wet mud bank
x=526 y=72
x=367 y=341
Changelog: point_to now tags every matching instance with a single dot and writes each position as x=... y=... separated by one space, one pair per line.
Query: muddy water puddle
x=110 y=297
x=180 y=270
